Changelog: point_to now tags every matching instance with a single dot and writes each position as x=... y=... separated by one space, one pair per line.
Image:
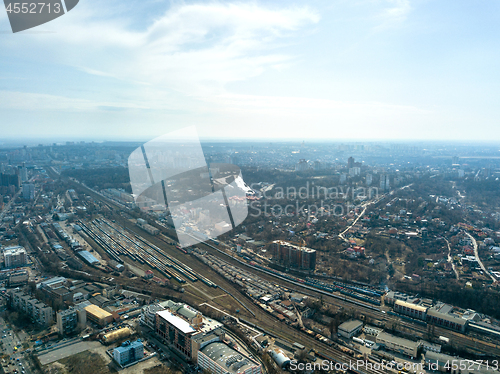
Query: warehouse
x=350 y=328
x=88 y=258
x=400 y=345
x=98 y=316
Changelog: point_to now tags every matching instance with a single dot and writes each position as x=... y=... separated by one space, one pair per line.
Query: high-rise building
x=23 y=173
x=302 y=165
x=369 y=179
x=185 y=329
x=15 y=257
x=28 y=191
x=10 y=180
x=385 y=182
x=290 y=255
x=354 y=171
x=350 y=162
x=73 y=319
x=343 y=178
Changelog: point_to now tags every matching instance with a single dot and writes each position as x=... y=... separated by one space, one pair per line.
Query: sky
x=333 y=69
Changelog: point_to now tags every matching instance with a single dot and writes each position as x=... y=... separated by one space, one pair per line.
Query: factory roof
x=97 y=312
x=351 y=325
x=385 y=337
x=227 y=358
x=87 y=256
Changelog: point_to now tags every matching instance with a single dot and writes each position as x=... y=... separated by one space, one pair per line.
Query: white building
x=15 y=257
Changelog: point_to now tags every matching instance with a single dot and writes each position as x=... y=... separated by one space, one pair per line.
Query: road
x=450 y=260
x=365 y=205
x=6 y=208
x=11 y=340
x=476 y=254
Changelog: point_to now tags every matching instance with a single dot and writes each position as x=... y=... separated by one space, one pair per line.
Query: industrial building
x=350 y=328
x=15 y=257
x=116 y=335
x=429 y=347
x=128 y=352
x=185 y=329
x=400 y=345
x=98 y=316
x=218 y=358
x=88 y=257
x=410 y=309
x=442 y=315
x=280 y=357
x=290 y=255
x=39 y=313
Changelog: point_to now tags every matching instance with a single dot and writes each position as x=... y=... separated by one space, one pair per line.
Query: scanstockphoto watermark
x=289 y=201
x=328 y=365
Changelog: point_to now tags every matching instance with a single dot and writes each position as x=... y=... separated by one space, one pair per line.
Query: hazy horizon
x=383 y=69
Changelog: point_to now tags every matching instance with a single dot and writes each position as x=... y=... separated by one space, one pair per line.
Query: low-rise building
x=128 y=352
x=218 y=358
x=18 y=278
x=350 y=328
x=442 y=315
x=97 y=315
x=396 y=344
x=429 y=347
x=370 y=330
x=410 y=309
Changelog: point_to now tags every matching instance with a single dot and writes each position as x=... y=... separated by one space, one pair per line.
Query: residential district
x=370 y=257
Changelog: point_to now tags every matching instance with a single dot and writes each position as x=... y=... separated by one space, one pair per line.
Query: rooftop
x=87 y=256
x=351 y=325
x=411 y=305
x=395 y=340
x=227 y=358
x=96 y=311
x=176 y=321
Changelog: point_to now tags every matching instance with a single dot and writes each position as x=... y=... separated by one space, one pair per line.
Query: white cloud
x=36 y=102
x=393 y=13
x=195 y=49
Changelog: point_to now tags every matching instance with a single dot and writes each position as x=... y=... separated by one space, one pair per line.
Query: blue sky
x=338 y=69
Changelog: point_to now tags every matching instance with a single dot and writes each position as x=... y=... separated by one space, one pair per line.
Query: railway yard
x=212 y=273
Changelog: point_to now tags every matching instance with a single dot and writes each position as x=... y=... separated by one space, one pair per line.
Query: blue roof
x=87 y=256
